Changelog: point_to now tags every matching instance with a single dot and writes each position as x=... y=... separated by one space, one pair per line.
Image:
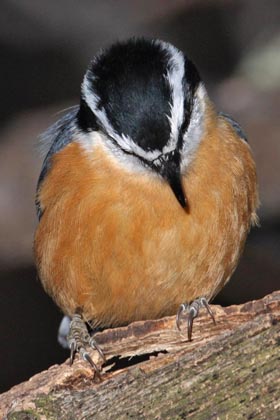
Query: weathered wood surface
x=228 y=371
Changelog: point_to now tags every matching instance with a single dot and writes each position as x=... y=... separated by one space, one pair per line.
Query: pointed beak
x=169 y=169
x=175 y=182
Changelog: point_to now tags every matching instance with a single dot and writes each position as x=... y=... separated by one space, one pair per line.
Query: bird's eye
x=144 y=143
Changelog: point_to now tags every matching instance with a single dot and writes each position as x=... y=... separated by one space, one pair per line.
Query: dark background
x=45 y=48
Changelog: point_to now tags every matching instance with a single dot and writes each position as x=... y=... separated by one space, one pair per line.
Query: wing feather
x=55 y=139
x=235 y=125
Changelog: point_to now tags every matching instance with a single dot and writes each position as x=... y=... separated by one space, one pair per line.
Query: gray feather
x=237 y=128
x=56 y=138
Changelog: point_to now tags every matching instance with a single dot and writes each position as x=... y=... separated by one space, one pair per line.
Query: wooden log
x=230 y=370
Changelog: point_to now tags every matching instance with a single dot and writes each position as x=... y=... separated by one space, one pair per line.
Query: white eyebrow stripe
x=175 y=76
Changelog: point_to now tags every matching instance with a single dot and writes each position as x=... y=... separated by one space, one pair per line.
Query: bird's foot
x=192 y=310
x=79 y=340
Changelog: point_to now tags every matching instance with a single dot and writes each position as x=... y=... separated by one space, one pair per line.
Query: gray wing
x=234 y=125
x=58 y=136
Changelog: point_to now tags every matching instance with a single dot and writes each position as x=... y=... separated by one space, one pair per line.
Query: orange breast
x=118 y=245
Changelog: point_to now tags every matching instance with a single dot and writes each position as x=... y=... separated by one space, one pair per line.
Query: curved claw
x=72 y=352
x=209 y=310
x=192 y=315
x=181 y=309
x=88 y=359
x=93 y=344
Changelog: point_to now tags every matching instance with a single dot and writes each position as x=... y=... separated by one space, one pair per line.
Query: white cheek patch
x=95 y=139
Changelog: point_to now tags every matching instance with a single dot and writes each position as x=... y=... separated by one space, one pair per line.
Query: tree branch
x=229 y=370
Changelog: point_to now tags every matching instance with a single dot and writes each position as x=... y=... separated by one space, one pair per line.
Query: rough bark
x=228 y=371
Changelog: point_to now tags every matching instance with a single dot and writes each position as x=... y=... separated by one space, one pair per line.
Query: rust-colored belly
x=119 y=246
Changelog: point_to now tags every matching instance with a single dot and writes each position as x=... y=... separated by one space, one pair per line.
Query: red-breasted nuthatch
x=145 y=197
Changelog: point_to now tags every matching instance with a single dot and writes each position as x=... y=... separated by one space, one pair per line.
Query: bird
x=146 y=195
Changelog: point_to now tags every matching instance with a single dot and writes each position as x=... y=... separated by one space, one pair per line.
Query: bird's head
x=147 y=99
